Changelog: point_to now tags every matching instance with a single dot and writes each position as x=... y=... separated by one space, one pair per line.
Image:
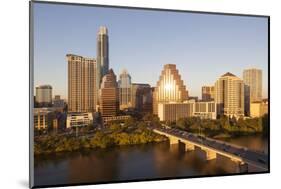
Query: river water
x=138 y=162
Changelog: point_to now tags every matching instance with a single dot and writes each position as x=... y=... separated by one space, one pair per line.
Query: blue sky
x=203 y=46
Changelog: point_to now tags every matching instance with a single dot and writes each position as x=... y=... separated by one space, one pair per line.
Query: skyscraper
x=102 y=53
x=109 y=97
x=124 y=84
x=82 y=95
x=253 y=87
x=169 y=88
x=208 y=93
x=229 y=95
x=44 y=95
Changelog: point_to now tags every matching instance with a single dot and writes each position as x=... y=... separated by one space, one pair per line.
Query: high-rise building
x=169 y=88
x=124 y=84
x=141 y=97
x=253 y=87
x=82 y=89
x=208 y=93
x=229 y=95
x=44 y=96
x=109 y=95
x=102 y=54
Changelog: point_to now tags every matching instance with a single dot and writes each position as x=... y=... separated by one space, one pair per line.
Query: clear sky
x=203 y=46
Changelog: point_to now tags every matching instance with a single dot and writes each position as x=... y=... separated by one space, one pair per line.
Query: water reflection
x=150 y=161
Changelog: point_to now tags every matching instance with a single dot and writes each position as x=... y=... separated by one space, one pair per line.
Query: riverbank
x=224 y=127
x=110 y=137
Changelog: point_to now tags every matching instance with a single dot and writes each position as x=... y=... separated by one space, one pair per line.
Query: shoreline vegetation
x=224 y=127
x=130 y=133
x=134 y=132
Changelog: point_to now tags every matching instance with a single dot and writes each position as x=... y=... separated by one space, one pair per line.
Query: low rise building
x=205 y=109
x=115 y=118
x=258 y=108
x=173 y=111
x=79 y=119
x=43 y=118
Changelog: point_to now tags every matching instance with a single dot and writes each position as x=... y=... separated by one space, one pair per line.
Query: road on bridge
x=255 y=158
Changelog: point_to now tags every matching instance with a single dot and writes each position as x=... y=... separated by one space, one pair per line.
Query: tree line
x=129 y=133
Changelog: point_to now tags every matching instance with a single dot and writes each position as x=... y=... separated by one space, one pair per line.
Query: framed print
x=123 y=94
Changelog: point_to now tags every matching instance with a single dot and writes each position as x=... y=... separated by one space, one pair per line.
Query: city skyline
x=113 y=82
x=187 y=57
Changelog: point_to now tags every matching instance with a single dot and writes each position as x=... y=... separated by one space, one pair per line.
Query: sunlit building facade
x=191 y=108
x=169 y=88
x=229 y=95
x=79 y=119
x=82 y=89
x=259 y=108
x=253 y=87
x=124 y=84
x=204 y=109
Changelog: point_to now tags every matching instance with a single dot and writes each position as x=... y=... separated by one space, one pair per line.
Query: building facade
x=174 y=111
x=124 y=84
x=102 y=54
x=43 y=96
x=43 y=118
x=259 y=108
x=58 y=102
x=229 y=95
x=169 y=88
x=208 y=93
x=82 y=89
x=253 y=87
x=204 y=109
x=109 y=95
x=141 y=97
x=79 y=119
x=115 y=118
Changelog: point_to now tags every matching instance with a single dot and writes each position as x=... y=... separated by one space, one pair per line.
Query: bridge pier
x=209 y=154
x=189 y=146
x=211 y=151
x=240 y=166
x=173 y=140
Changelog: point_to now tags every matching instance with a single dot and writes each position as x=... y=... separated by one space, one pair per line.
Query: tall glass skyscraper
x=102 y=53
x=124 y=84
x=253 y=87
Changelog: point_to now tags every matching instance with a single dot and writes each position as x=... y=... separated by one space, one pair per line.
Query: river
x=148 y=161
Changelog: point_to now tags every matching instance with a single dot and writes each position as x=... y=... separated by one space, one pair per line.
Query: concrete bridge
x=211 y=148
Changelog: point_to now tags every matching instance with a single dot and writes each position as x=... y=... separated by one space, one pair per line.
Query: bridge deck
x=235 y=152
